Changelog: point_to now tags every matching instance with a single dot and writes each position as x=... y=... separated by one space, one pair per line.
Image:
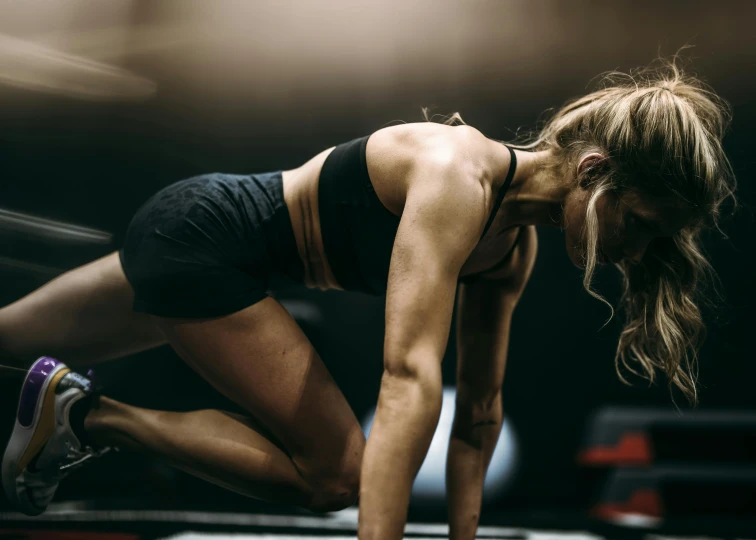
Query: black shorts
x=207 y=246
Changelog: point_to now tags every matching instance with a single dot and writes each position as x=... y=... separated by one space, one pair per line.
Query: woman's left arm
x=484 y=315
x=439 y=228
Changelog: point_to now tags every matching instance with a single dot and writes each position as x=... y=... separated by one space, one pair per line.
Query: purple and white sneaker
x=43 y=448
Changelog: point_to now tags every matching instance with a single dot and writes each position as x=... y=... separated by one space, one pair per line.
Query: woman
x=631 y=172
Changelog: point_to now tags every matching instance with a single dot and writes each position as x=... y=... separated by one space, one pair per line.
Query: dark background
x=258 y=86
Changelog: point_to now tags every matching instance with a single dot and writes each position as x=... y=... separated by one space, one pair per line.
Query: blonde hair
x=661 y=133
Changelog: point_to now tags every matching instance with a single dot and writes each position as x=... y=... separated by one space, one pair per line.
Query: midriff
x=390 y=154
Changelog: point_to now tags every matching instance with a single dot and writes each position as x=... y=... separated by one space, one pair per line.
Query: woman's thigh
x=261 y=359
x=83 y=316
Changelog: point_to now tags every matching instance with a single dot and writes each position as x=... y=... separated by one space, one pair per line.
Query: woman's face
x=627 y=224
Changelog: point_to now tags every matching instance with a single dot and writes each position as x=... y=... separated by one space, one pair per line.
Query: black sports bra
x=358 y=231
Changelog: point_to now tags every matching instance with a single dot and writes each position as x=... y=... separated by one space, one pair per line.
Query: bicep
x=436 y=234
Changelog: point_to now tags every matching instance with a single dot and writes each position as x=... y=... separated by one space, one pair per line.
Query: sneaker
x=43 y=448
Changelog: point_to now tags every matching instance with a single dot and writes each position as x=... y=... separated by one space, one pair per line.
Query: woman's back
x=346 y=202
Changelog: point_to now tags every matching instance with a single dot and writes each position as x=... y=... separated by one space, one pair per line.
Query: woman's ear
x=588 y=164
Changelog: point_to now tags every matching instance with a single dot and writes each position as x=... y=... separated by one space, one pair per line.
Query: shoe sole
x=31 y=432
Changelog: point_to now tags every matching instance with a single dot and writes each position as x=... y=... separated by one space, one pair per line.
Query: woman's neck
x=536 y=195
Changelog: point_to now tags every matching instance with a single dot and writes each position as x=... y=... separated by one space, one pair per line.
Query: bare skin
x=535 y=197
x=390 y=153
x=300 y=441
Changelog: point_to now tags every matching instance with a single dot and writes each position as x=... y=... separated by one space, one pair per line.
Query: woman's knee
x=337 y=492
x=336 y=488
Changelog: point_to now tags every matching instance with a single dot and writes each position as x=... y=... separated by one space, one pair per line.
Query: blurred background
x=102 y=104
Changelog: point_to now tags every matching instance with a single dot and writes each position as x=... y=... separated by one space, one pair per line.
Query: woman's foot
x=43 y=447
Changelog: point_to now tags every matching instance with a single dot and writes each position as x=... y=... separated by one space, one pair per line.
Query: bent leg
x=307 y=448
x=82 y=317
x=226 y=449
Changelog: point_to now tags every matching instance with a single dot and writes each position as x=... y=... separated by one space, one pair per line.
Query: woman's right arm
x=440 y=225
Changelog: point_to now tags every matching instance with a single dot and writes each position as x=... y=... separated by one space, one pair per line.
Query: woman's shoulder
x=395 y=154
x=424 y=141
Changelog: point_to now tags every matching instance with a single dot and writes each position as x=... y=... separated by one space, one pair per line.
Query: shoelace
x=82 y=456
x=42 y=485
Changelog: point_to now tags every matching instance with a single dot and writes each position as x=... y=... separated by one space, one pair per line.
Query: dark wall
x=266 y=85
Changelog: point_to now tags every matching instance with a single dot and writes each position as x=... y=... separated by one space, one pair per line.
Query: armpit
x=515 y=268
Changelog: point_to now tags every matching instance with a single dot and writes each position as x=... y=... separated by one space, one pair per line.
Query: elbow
x=418 y=374
x=480 y=399
x=475 y=414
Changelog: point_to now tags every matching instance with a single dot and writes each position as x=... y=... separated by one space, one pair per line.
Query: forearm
x=405 y=420
x=471 y=446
